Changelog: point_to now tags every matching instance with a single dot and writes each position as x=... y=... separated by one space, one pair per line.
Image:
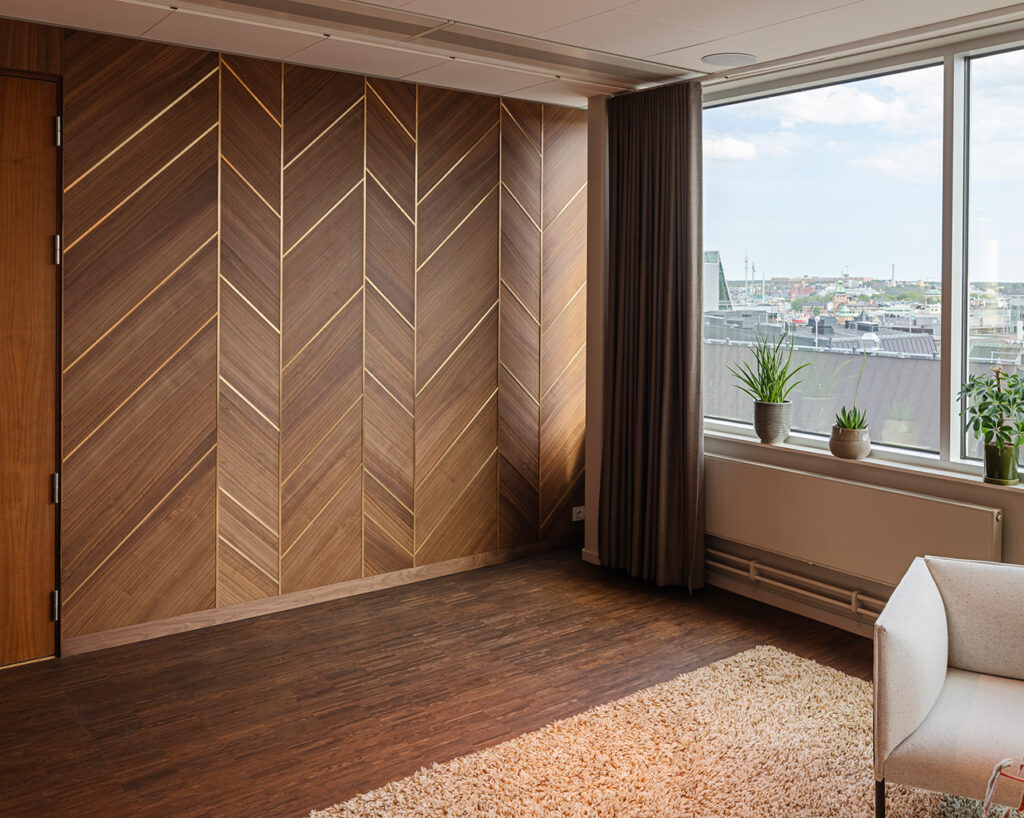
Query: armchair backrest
x=983 y=601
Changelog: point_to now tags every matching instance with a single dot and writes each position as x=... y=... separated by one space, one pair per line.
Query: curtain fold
x=651 y=518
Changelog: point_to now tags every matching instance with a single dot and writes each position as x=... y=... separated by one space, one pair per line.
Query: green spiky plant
x=770 y=380
x=854 y=418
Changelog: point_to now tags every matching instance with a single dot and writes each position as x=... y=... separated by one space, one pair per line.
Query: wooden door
x=28 y=367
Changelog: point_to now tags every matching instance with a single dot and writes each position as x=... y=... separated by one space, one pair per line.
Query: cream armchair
x=949 y=665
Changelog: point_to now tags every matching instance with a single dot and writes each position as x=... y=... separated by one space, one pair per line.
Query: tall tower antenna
x=746 y=265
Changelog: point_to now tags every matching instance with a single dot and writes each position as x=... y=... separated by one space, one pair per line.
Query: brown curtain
x=651 y=520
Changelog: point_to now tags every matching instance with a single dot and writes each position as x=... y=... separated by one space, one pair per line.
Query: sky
x=848 y=178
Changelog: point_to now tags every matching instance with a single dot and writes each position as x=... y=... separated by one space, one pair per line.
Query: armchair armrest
x=911 y=655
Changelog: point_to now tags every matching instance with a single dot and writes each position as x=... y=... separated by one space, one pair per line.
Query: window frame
x=953 y=54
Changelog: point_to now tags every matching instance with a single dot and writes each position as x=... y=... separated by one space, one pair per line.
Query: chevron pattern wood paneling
x=317 y=326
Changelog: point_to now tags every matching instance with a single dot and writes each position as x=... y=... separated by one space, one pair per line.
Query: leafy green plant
x=770 y=380
x=994 y=407
x=852 y=418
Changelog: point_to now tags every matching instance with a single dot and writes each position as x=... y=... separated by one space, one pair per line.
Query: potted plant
x=849 y=437
x=769 y=383
x=995 y=412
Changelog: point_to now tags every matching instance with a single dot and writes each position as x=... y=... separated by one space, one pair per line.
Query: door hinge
x=59 y=132
x=55 y=606
x=56 y=488
x=56 y=249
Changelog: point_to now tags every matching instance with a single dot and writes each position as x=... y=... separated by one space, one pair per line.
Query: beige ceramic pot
x=853 y=444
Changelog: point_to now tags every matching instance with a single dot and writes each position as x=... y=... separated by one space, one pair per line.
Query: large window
x=823 y=219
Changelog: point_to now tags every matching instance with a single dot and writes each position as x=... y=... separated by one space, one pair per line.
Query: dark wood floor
x=282 y=714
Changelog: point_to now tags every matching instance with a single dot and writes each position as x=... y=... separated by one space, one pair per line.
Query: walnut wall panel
x=317 y=327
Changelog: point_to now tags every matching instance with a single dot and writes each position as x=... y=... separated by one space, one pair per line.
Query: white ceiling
x=559 y=51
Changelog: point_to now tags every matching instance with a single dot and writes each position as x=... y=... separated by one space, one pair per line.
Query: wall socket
x=577 y=513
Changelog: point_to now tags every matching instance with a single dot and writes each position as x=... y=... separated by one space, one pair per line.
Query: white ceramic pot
x=853 y=444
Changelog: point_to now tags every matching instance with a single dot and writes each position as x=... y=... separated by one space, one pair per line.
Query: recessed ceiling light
x=729 y=59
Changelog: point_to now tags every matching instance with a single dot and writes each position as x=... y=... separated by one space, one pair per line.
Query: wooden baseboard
x=590 y=556
x=73 y=645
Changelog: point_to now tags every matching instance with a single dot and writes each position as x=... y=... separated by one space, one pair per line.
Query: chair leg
x=880 y=799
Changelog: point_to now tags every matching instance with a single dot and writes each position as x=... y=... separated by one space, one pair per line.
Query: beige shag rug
x=763 y=733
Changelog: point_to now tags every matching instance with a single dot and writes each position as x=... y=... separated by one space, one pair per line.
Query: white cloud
x=729 y=149
x=906 y=160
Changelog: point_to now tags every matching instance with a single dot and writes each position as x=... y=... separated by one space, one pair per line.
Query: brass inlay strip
x=121 y=320
x=558 y=315
x=141 y=129
x=516 y=200
x=388 y=109
x=252 y=93
x=529 y=394
x=322 y=439
x=323 y=133
x=512 y=116
x=560 y=212
x=377 y=480
x=529 y=312
x=249 y=184
x=558 y=377
x=140 y=523
x=566 y=493
x=135 y=391
x=456 y=228
x=246 y=557
x=317 y=223
x=388 y=302
x=325 y=326
x=458 y=347
x=389 y=392
x=251 y=405
x=387 y=533
x=455 y=502
x=458 y=162
x=458 y=437
x=247 y=301
x=246 y=509
x=137 y=190
x=357 y=470
x=388 y=194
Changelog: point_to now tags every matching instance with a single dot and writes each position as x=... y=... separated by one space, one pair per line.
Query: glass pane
x=995 y=241
x=823 y=214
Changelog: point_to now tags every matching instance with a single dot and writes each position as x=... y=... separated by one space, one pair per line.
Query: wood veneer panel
x=520 y=343
x=146 y=578
x=565 y=259
x=520 y=254
x=139 y=160
x=29 y=47
x=114 y=86
x=390 y=517
x=238 y=580
x=248 y=534
x=391 y=154
x=108 y=488
x=250 y=240
x=28 y=366
x=471 y=525
x=321 y=176
x=520 y=166
x=518 y=505
x=519 y=429
x=439 y=490
x=447 y=404
x=561 y=435
x=400 y=99
x=456 y=288
x=151 y=236
x=565 y=151
x=121 y=361
x=321 y=274
x=330 y=550
x=564 y=337
x=250 y=139
x=381 y=554
x=321 y=383
x=249 y=354
x=450 y=123
x=390 y=251
x=390 y=347
x=263 y=78
x=248 y=466
x=443 y=209
x=313 y=99
x=306 y=492
x=559 y=522
x=388 y=442
x=529 y=117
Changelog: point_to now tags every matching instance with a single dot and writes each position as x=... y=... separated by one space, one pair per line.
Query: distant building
x=716 y=290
